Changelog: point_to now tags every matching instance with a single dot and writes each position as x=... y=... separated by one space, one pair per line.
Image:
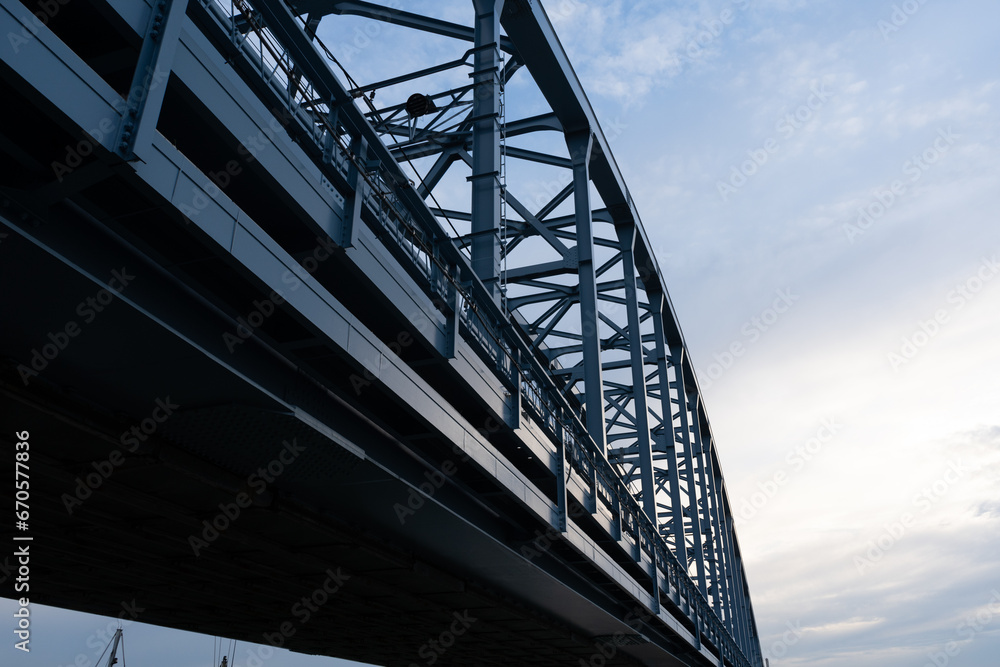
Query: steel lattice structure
x=555 y=290
x=591 y=300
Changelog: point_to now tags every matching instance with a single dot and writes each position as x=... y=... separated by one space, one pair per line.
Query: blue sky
x=859 y=428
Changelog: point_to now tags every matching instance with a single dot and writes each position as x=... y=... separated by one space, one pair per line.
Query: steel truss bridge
x=394 y=382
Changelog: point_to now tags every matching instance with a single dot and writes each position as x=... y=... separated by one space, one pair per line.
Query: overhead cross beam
x=399 y=17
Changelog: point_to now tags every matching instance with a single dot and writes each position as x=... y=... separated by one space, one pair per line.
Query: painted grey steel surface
x=553 y=324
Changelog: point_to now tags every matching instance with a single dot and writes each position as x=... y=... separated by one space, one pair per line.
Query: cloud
x=921 y=589
x=622 y=52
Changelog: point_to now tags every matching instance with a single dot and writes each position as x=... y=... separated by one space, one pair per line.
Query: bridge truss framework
x=558 y=303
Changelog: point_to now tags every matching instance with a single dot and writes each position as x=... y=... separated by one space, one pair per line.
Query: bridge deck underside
x=136 y=537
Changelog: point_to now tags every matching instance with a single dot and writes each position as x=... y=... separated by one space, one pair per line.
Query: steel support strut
x=704 y=516
x=486 y=146
x=580 y=146
x=677 y=355
x=732 y=616
x=738 y=609
x=149 y=83
x=336 y=158
x=723 y=596
x=668 y=443
x=626 y=239
x=742 y=608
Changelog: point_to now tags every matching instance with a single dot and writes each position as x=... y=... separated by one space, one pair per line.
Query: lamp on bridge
x=418 y=105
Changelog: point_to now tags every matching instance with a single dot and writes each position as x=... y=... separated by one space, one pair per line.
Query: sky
x=821 y=183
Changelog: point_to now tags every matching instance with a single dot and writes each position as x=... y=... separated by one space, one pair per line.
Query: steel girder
x=573 y=269
x=573 y=265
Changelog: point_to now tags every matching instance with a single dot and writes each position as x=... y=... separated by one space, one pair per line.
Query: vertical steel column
x=744 y=614
x=738 y=610
x=731 y=581
x=580 y=145
x=754 y=654
x=705 y=517
x=486 y=145
x=725 y=599
x=656 y=300
x=677 y=356
x=626 y=240
x=149 y=83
